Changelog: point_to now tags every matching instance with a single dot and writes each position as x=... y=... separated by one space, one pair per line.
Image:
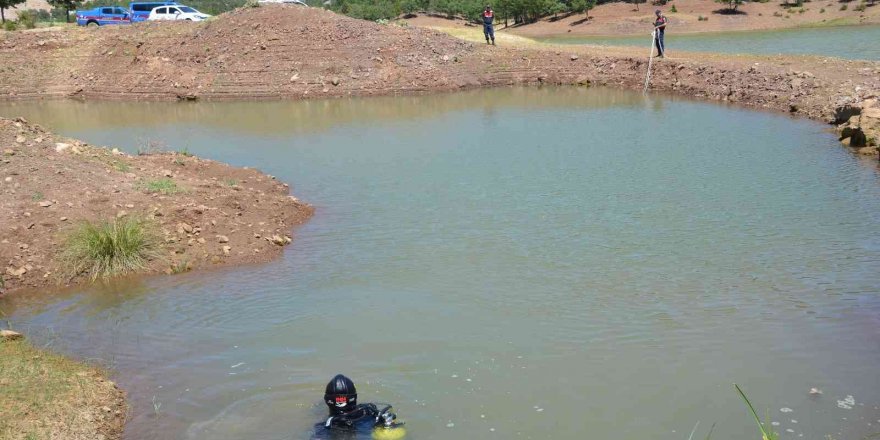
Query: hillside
x=290 y=52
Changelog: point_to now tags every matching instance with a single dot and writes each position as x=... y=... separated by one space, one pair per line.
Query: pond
x=851 y=42
x=554 y=263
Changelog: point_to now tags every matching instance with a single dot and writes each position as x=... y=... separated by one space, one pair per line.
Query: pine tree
x=6 y=4
x=67 y=5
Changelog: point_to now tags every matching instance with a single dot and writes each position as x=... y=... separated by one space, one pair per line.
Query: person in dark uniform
x=659 y=29
x=350 y=420
x=488 y=29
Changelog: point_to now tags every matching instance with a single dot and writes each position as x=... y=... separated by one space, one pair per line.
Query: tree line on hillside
x=518 y=11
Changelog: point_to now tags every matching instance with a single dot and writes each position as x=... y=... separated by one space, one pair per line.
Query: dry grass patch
x=46 y=396
x=475 y=35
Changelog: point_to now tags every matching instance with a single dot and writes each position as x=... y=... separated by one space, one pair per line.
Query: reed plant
x=765 y=434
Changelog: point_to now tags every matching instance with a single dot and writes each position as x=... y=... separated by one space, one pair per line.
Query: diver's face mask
x=340 y=403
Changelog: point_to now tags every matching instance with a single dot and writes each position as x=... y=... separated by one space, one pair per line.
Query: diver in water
x=351 y=420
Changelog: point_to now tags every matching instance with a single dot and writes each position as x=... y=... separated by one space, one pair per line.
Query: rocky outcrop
x=9 y=335
x=861 y=127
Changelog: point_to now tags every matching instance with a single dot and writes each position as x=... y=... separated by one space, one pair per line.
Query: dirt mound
x=206 y=212
x=280 y=49
x=270 y=51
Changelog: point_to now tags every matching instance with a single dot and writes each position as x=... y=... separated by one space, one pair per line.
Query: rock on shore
x=859 y=126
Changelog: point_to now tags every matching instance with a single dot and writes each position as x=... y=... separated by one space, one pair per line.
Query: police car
x=103 y=15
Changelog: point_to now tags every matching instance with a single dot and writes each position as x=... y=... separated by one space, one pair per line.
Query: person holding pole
x=659 y=29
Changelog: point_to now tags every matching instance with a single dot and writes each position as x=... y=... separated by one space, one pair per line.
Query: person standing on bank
x=488 y=30
x=659 y=29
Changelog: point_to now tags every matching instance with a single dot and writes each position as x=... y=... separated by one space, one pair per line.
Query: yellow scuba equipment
x=389 y=433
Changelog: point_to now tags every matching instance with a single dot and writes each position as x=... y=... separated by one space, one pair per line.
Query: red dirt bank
x=295 y=53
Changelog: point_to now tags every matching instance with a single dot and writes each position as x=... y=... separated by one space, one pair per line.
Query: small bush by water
x=109 y=248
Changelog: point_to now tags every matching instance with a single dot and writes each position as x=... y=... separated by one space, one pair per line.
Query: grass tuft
x=180 y=267
x=109 y=248
x=162 y=186
x=771 y=435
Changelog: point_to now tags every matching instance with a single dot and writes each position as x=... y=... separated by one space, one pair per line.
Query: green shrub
x=701 y=18
x=27 y=19
x=10 y=26
x=673 y=9
x=822 y=11
x=843 y=7
x=179 y=267
x=109 y=248
x=252 y=4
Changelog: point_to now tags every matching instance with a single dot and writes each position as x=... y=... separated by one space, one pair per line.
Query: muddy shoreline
x=271 y=53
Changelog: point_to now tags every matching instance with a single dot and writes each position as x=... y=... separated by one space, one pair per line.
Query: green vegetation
x=701 y=18
x=43 y=394
x=519 y=11
x=121 y=166
x=67 y=6
x=109 y=248
x=164 y=186
x=37 y=196
x=765 y=435
x=180 y=267
x=4 y=5
x=185 y=152
x=843 y=7
x=673 y=10
x=861 y=7
x=27 y=19
x=231 y=182
x=731 y=4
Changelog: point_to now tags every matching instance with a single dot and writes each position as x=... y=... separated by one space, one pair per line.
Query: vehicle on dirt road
x=103 y=15
x=176 y=12
x=140 y=11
